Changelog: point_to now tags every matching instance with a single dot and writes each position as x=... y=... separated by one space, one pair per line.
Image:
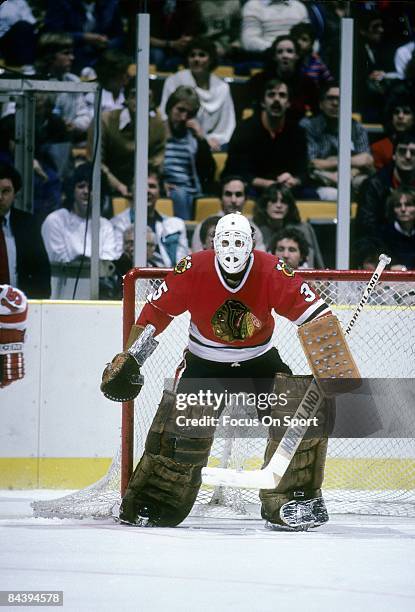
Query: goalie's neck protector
x=233 y=242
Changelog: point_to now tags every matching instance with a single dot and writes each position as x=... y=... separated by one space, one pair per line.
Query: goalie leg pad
x=303 y=479
x=167 y=479
x=301 y=482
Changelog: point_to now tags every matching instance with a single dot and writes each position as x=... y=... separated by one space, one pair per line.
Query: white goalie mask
x=233 y=242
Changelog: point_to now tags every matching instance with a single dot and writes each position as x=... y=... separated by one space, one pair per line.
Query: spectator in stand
x=398 y=235
x=126 y=261
x=172 y=27
x=402 y=58
x=188 y=163
x=311 y=63
x=268 y=147
x=322 y=134
x=371 y=212
x=95 y=25
x=284 y=64
x=154 y=259
x=374 y=66
x=7 y=135
x=64 y=230
x=326 y=18
x=118 y=142
x=264 y=20
x=399 y=117
x=365 y=256
x=112 y=73
x=221 y=24
x=51 y=159
x=398 y=20
x=291 y=245
x=17 y=24
x=275 y=210
x=410 y=76
x=49 y=134
x=233 y=199
x=216 y=114
x=207 y=232
x=23 y=260
x=170 y=232
x=54 y=62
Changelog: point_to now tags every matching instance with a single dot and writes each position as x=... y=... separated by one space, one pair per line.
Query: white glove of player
x=13 y=315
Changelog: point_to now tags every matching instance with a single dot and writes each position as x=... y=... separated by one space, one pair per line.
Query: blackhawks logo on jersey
x=233 y=321
x=183 y=265
x=284 y=268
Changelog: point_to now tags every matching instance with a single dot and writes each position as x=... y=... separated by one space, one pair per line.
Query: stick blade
x=254 y=479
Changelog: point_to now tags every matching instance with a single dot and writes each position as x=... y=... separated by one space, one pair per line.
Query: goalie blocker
x=328 y=355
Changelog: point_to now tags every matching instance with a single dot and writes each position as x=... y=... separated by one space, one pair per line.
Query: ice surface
x=353 y=563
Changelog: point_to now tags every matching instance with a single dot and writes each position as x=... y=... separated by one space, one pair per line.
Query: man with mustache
x=372 y=209
x=267 y=147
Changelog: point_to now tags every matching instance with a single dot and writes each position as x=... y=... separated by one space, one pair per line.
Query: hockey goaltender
x=230 y=292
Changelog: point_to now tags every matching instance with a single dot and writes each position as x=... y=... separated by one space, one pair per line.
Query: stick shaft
x=384 y=260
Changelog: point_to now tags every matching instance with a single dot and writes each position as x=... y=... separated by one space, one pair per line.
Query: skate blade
x=286 y=528
x=139 y=522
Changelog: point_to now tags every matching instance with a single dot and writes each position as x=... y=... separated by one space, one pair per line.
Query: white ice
x=350 y=564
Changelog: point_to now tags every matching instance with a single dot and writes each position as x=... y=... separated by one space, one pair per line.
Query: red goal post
x=129 y=318
x=397 y=293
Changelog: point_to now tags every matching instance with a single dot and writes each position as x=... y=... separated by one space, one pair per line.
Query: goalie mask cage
x=374 y=475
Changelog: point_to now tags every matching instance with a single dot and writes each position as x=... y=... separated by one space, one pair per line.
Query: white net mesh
x=374 y=475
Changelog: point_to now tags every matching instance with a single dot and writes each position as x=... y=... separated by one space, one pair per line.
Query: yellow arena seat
x=204 y=207
x=220 y=161
x=119 y=205
x=247 y=112
x=224 y=71
x=248 y=209
x=164 y=206
x=79 y=153
x=320 y=209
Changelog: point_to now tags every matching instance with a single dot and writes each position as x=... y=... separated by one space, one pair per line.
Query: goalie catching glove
x=13 y=315
x=121 y=379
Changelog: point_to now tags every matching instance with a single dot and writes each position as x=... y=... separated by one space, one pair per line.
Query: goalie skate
x=302 y=515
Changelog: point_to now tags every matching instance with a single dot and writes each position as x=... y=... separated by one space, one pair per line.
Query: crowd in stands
x=243 y=116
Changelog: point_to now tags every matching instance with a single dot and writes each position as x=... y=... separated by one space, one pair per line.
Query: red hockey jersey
x=231 y=324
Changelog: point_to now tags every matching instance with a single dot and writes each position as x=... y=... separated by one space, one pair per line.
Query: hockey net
x=372 y=475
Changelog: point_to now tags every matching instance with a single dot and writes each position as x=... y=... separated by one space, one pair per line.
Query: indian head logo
x=233 y=321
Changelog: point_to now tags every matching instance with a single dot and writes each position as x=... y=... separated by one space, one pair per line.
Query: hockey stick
x=270 y=476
